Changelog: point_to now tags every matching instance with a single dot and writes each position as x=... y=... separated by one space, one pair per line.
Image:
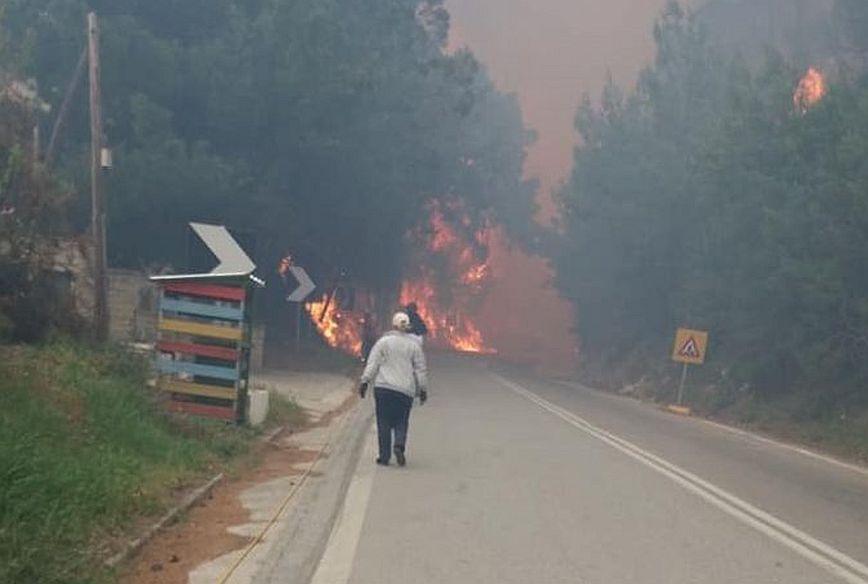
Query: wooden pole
x=100 y=313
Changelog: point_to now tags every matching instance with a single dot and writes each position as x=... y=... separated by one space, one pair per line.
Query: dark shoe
x=382 y=462
x=399 y=454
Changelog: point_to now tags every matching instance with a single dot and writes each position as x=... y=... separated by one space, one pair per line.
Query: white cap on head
x=401 y=321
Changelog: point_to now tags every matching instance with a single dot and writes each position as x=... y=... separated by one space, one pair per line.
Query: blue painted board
x=170 y=366
x=200 y=309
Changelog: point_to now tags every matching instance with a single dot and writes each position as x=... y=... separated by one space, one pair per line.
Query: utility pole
x=101 y=311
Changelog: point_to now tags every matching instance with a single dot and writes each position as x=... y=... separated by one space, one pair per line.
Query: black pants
x=393 y=413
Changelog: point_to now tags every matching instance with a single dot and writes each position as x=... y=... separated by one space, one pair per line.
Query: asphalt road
x=519 y=480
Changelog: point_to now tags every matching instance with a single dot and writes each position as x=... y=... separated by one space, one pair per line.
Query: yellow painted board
x=200 y=330
x=690 y=346
x=199 y=389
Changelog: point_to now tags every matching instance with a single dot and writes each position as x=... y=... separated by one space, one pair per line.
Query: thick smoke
x=549 y=52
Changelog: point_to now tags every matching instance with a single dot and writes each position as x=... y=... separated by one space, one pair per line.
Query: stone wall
x=72 y=257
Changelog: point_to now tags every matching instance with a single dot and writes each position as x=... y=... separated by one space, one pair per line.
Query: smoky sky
x=550 y=52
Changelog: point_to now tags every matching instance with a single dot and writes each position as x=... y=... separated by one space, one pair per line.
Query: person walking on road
x=418 y=328
x=396 y=367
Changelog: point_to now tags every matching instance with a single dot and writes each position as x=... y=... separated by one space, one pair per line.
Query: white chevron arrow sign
x=233 y=260
x=305 y=285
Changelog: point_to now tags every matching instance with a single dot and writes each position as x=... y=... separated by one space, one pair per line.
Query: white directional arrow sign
x=305 y=285
x=233 y=260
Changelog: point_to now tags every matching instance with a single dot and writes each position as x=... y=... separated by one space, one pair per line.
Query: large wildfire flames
x=341 y=329
x=445 y=297
x=810 y=91
x=446 y=306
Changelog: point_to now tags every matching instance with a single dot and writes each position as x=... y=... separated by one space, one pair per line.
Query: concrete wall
x=133 y=303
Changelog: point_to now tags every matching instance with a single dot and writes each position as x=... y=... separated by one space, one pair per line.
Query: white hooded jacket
x=397 y=362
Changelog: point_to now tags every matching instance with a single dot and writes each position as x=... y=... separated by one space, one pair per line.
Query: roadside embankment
x=88 y=457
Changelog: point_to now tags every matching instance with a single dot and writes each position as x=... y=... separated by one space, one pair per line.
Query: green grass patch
x=85 y=449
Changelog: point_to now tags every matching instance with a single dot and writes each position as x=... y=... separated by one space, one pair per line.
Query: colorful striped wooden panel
x=201 y=410
x=197 y=369
x=201 y=330
x=211 y=351
x=201 y=309
x=206 y=291
x=199 y=389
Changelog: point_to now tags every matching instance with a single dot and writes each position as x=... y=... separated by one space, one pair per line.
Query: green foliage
x=84 y=447
x=324 y=126
x=705 y=198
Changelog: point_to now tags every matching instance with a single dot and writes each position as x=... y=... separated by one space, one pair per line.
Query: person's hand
x=423 y=396
x=363 y=389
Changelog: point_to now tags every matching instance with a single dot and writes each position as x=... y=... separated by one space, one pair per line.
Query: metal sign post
x=681 y=385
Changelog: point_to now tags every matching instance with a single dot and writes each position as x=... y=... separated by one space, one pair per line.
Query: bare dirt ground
x=204 y=533
x=201 y=534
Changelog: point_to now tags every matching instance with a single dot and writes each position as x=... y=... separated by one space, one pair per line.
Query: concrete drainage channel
x=297 y=544
x=288 y=547
x=192 y=498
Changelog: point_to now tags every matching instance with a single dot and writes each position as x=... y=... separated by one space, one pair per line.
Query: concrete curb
x=304 y=535
x=191 y=499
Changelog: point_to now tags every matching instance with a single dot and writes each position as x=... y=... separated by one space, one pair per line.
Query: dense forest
x=706 y=196
x=321 y=127
x=712 y=197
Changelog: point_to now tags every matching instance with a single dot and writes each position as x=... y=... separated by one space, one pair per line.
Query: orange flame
x=340 y=329
x=810 y=91
x=447 y=328
x=444 y=307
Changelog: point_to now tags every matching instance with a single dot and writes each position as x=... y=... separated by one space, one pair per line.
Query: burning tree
x=811 y=90
x=449 y=277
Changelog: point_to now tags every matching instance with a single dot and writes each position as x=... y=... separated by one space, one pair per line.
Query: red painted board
x=205 y=290
x=201 y=410
x=225 y=353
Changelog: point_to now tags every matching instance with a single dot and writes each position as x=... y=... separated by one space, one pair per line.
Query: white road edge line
x=799 y=449
x=810 y=548
x=336 y=565
x=757 y=437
